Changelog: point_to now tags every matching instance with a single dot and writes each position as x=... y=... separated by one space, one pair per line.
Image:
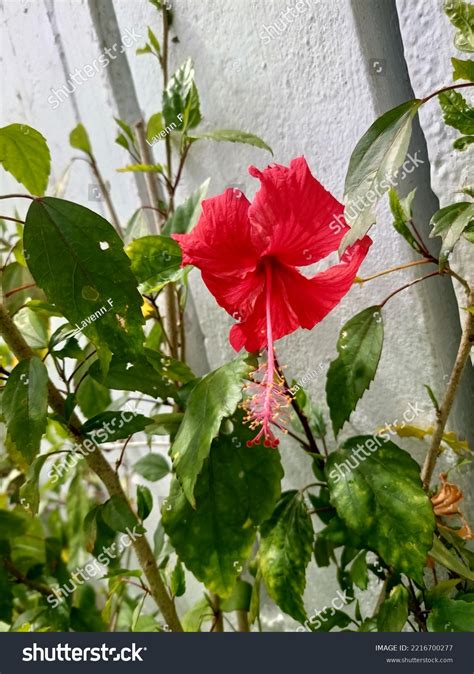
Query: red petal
x=313 y=299
x=293 y=217
x=298 y=301
x=220 y=243
x=236 y=295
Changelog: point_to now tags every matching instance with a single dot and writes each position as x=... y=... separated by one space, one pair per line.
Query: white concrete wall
x=313 y=90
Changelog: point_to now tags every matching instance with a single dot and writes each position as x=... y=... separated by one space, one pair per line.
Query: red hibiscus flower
x=248 y=254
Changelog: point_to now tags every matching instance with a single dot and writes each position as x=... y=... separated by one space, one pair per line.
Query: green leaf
x=461 y=15
x=79 y=139
x=152 y=467
x=192 y=114
x=377 y=157
x=28 y=550
x=186 y=215
x=154 y=41
x=323 y=550
x=178 y=580
x=90 y=528
x=359 y=572
x=144 y=50
x=165 y=424
x=13 y=524
x=117 y=514
x=376 y=489
x=126 y=129
x=232 y=136
x=451 y=615
x=29 y=490
x=449 y=223
x=462 y=143
x=144 y=502
x=234 y=493
x=92 y=397
x=402 y=214
x=325 y=620
x=285 y=551
x=337 y=533
x=443 y=588
x=112 y=426
x=468 y=233
x=77 y=508
x=240 y=598
x=457 y=112
x=216 y=396
x=34 y=326
x=170 y=368
x=156 y=260
x=142 y=168
x=349 y=376
x=77 y=258
x=197 y=614
x=154 y=127
x=443 y=556
x=17 y=276
x=138 y=375
x=85 y=616
x=393 y=613
x=463 y=70
x=178 y=94
x=25 y=154
x=25 y=405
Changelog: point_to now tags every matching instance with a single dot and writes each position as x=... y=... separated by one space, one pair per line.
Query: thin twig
x=462 y=357
x=16 y=573
x=120 y=459
x=6 y=217
x=106 y=194
x=408 y=285
x=18 y=196
x=441 y=91
x=17 y=290
x=392 y=269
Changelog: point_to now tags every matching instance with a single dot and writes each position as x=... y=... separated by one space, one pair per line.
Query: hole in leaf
x=104 y=245
x=90 y=293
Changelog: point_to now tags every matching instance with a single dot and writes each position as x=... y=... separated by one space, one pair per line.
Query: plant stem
x=441 y=91
x=171 y=327
x=392 y=269
x=150 y=178
x=16 y=573
x=164 y=68
x=17 y=290
x=6 y=217
x=408 y=285
x=313 y=484
x=243 y=621
x=462 y=357
x=106 y=194
x=218 y=624
x=102 y=468
x=18 y=196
